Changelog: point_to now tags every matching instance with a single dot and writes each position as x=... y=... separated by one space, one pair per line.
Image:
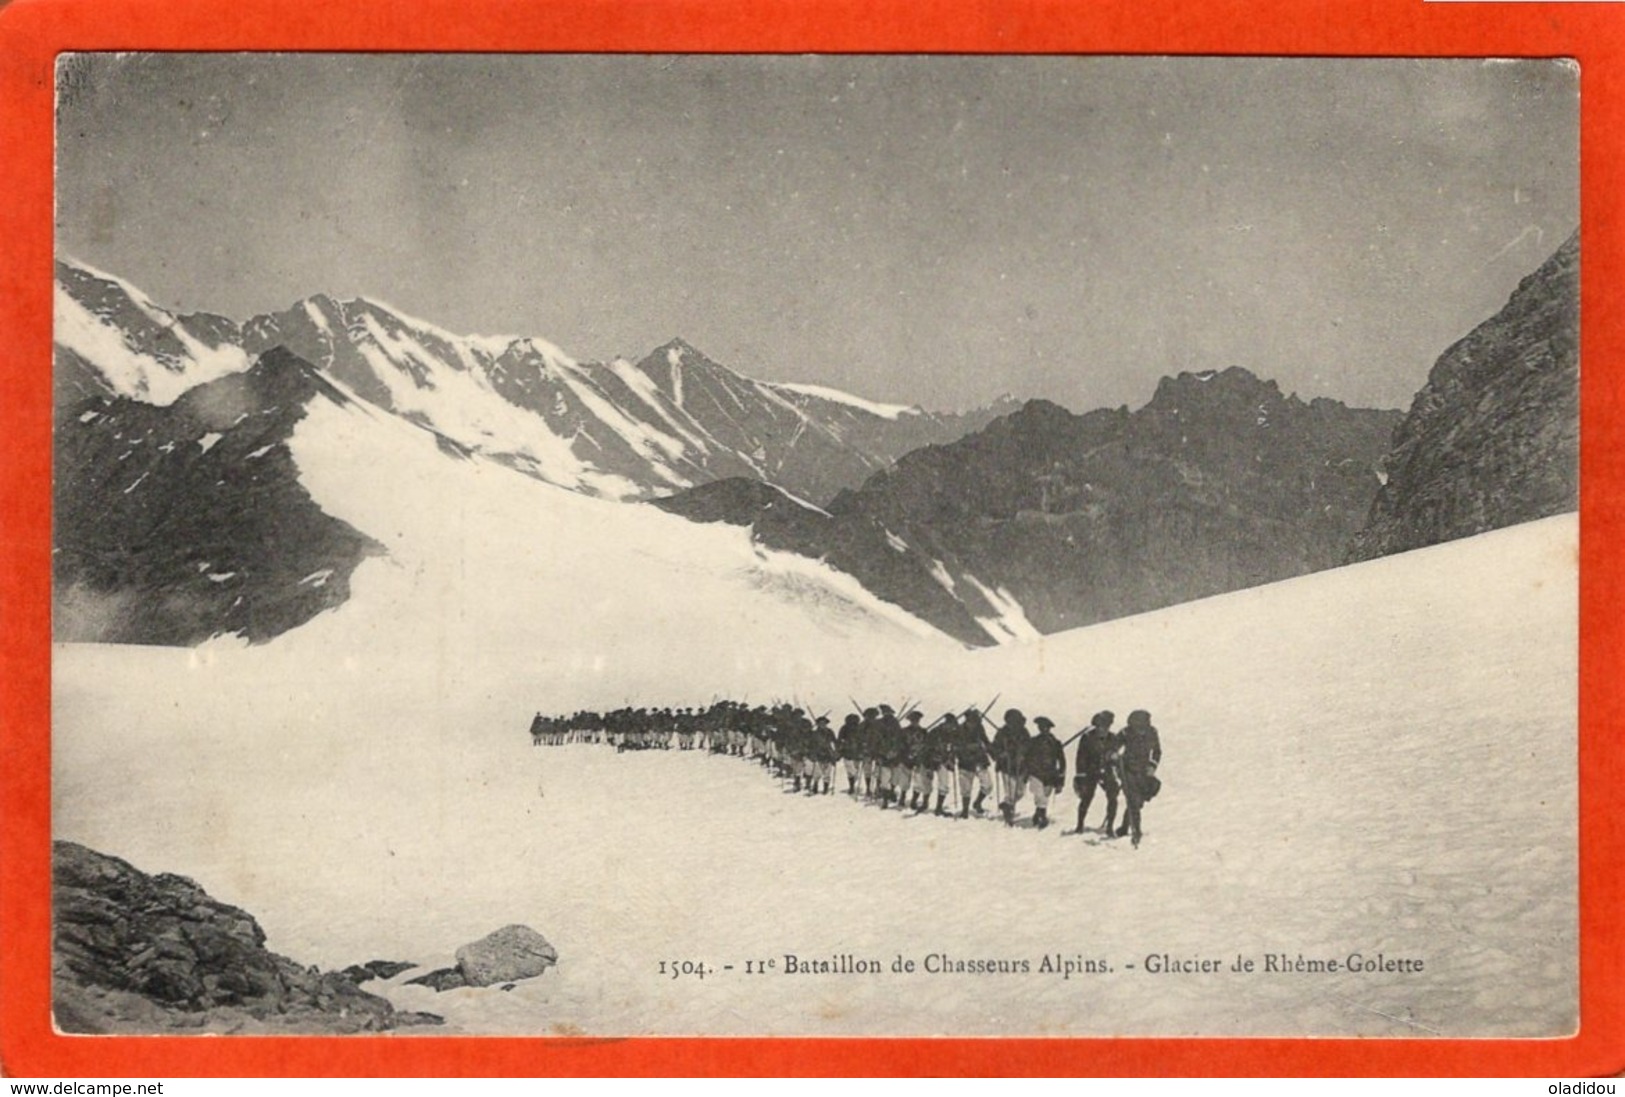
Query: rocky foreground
x=135 y=953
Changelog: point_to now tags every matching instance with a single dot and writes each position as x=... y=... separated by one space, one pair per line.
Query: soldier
x=1097 y=767
x=869 y=745
x=890 y=749
x=916 y=772
x=937 y=760
x=1044 y=763
x=751 y=740
x=763 y=742
x=1009 y=742
x=825 y=750
x=1142 y=751
x=810 y=742
x=705 y=728
x=802 y=741
x=848 y=742
x=786 y=746
x=970 y=752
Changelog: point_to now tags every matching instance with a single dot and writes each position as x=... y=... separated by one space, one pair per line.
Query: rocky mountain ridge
x=179 y=513
x=620 y=429
x=1492 y=439
x=175 y=523
x=1046 y=520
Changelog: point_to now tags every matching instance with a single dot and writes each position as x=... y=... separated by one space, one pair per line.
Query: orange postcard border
x=32 y=32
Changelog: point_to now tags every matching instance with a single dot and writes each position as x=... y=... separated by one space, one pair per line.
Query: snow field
x=1378 y=759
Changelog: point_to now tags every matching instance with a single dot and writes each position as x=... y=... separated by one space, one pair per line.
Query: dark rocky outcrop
x=1493 y=438
x=174 y=524
x=376 y=969
x=1220 y=482
x=140 y=953
x=445 y=978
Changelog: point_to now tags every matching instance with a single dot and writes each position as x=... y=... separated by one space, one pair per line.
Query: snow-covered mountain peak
x=73 y=270
x=548 y=352
x=677 y=350
x=621 y=429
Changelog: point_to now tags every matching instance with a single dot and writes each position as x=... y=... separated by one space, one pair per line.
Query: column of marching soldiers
x=900 y=764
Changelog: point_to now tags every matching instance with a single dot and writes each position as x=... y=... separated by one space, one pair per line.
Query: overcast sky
x=927 y=230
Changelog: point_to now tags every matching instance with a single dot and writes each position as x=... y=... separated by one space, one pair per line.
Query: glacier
x=1378 y=759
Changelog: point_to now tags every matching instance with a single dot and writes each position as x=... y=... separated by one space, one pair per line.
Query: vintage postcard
x=827 y=544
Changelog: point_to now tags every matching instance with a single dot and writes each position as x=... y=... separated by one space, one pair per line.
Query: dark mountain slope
x=1046 y=520
x=177 y=523
x=1493 y=438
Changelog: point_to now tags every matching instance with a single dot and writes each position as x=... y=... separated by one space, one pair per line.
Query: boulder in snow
x=511 y=953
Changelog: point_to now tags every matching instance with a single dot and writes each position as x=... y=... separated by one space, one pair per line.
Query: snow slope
x=1376 y=760
x=492 y=574
x=885 y=411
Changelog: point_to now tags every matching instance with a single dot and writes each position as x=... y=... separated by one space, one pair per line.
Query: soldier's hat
x=1104 y=718
x=1139 y=718
x=949 y=717
x=822 y=720
x=1014 y=716
x=913 y=716
x=1044 y=722
x=887 y=709
x=871 y=712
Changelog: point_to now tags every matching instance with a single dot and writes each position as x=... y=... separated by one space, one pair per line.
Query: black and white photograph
x=815 y=545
